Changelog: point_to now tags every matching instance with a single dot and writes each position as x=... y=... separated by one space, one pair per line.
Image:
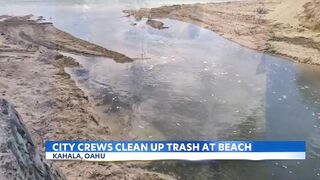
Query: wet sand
x=33 y=76
x=33 y=79
x=280 y=27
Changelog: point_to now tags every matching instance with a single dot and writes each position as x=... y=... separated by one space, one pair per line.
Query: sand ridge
x=33 y=79
x=281 y=27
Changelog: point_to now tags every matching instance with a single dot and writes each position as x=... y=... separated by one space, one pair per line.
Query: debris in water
x=284 y=97
x=150 y=68
x=204 y=100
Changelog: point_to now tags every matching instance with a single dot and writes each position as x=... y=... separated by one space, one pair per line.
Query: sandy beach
x=33 y=77
x=260 y=25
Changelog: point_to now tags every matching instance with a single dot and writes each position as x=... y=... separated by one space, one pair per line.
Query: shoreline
x=33 y=75
x=34 y=80
x=257 y=25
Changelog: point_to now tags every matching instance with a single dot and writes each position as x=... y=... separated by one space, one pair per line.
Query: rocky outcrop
x=156 y=24
x=19 y=157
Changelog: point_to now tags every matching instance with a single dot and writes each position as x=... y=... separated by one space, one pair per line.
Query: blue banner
x=175 y=146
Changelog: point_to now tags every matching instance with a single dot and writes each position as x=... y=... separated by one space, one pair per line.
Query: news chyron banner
x=174 y=150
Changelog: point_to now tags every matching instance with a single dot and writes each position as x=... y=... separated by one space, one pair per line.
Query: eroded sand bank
x=33 y=78
x=32 y=75
x=282 y=27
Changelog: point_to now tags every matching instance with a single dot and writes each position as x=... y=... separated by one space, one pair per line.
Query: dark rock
x=156 y=24
x=19 y=156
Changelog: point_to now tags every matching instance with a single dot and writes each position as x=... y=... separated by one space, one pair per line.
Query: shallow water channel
x=188 y=83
